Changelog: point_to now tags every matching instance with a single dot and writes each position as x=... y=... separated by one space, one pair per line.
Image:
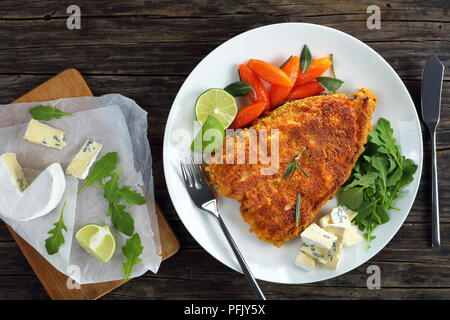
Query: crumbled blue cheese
x=15 y=171
x=45 y=135
x=83 y=160
x=318 y=236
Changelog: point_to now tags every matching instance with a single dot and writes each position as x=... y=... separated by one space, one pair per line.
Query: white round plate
x=358 y=66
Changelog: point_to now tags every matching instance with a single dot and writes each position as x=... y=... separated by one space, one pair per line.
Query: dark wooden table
x=146 y=49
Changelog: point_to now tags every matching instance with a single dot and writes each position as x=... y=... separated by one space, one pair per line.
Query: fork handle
x=436 y=242
x=248 y=274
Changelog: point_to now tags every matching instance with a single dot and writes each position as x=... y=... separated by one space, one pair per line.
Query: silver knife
x=432 y=76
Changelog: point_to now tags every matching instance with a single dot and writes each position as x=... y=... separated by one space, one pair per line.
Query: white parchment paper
x=120 y=125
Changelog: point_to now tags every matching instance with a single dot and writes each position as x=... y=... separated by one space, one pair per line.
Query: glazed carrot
x=247 y=75
x=316 y=69
x=279 y=93
x=247 y=115
x=269 y=72
x=305 y=90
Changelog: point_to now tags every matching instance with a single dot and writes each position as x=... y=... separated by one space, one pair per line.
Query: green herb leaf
x=111 y=188
x=101 y=170
x=377 y=180
x=239 y=89
x=352 y=198
x=132 y=250
x=298 y=209
x=132 y=197
x=330 y=84
x=305 y=58
x=53 y=243
x=120 y=218
x=47 y=113
x=294 y=164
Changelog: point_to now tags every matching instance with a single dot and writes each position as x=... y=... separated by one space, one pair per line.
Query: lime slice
x=217 y=103
x=210 y=138
x=97 y=240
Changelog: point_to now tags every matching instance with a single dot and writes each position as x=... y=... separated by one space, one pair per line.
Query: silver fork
x=205 y=198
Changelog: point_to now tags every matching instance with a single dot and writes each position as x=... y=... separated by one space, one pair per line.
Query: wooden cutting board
x=68 y=84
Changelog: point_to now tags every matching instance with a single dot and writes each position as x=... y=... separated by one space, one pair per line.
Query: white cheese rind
x=15 y=171
x=305 y=262
x=40 y=198
x=83 y=160
x=45 y=135
x=318 y=236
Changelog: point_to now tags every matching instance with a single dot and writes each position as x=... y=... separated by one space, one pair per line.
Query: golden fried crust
x=332 y=127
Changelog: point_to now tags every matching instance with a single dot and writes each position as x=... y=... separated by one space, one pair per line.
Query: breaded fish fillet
x=333 y=128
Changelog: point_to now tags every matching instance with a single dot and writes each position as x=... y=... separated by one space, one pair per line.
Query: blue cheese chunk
x=15 y=171
x=333 y=255
x=83 y=160
x=351 y=237
x=305 y=262
x=325 y=221
x=45 y=135
x=318 y=236
x=328 y=257
x=340 y=218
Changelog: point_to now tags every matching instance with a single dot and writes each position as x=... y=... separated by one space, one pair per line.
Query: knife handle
x=436 y=240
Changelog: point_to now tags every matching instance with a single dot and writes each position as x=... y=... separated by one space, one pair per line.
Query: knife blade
x=432 y=76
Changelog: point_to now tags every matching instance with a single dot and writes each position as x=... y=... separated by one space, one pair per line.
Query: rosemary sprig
x=298 y=209
x=294 y=164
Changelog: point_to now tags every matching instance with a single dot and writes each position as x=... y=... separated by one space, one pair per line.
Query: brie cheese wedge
x=41 y=196
x=45 y=135
x=15 y=171
x=82 y=162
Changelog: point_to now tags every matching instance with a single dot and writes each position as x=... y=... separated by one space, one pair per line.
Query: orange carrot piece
x=269 y=72
x=247 y=75
x=316 y=69
x=279 y=93
x=247 y=115
x=305 y=90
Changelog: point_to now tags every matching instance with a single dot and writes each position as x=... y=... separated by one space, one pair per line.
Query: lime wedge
x=97 y=240
x=217 y=103
x=210 y=138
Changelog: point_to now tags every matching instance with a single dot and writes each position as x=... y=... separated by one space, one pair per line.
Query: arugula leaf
x=352 y=198
x=305 y=58
x=101 y=170
x=120 y=218
x=47 y=113
x=132 y=197
x=111 y=188
x=132 y=250
x=53 y=243
x=377 y=180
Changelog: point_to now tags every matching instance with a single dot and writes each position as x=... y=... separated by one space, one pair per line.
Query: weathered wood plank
x=436 y=10
x=139 y=50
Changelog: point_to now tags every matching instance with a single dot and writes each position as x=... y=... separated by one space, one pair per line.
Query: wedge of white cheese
x=305 y=262
x=38 y=199
x=83 y=160
x=15 y=170
x=318 y=236
x=45 y=135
